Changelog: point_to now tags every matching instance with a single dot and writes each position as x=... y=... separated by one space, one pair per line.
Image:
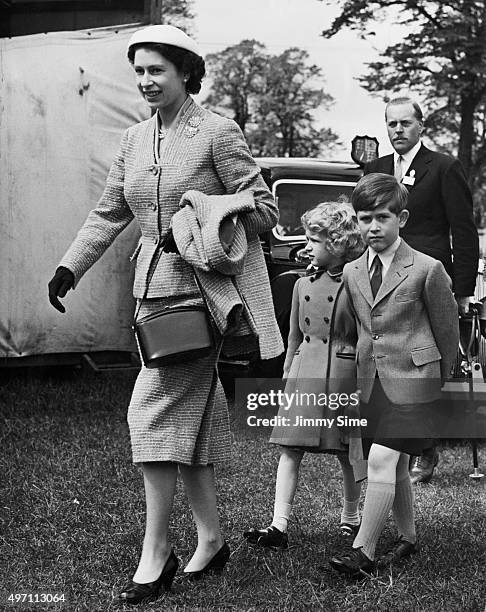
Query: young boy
x=408 y=334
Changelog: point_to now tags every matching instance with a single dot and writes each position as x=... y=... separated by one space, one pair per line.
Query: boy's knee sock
x=403 y=510
x=378 y=503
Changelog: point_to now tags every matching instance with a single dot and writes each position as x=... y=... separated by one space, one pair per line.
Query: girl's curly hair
x=338 y=223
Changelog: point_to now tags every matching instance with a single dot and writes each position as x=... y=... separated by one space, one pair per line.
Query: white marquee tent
x=65 y=100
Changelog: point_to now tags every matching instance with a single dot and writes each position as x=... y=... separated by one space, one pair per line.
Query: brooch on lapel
x=409 y=179
x=192 y=127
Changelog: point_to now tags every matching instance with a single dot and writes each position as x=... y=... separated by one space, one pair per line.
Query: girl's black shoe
x=348 y=530
x=271 y=537
x=215 y=565
x=136 y=592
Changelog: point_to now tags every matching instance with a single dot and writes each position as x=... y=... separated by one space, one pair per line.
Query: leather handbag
x=174 y=334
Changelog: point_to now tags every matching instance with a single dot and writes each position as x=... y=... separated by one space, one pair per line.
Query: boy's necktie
x=376 y=276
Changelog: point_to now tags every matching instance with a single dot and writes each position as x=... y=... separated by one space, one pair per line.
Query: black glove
x=169 y=245
x=59 y=285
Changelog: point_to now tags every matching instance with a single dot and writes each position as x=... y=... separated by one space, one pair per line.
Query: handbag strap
x=151 y=270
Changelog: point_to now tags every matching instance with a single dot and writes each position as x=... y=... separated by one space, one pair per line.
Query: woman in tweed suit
x=177 y=415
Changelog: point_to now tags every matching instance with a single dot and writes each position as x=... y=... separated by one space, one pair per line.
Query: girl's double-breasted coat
x=319 y=365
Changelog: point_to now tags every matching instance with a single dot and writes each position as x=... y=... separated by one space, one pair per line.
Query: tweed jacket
x=205 y=152
x=408 y=334
x=440 y=205
x=235 y=282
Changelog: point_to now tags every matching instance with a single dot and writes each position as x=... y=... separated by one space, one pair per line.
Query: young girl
x=320 y=359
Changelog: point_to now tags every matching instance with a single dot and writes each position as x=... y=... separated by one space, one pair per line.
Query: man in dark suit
x=441 y=215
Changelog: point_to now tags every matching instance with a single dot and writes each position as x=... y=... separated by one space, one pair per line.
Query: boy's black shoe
x=422 y=467
x=401 y=549
x=268 y=538
x=354 y=563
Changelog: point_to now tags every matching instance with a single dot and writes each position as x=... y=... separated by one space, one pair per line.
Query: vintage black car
x=297 y=185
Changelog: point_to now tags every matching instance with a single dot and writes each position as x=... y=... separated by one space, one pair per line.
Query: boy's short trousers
x=403 y=427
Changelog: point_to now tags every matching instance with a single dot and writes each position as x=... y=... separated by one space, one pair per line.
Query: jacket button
x=338 y=279
x=155 y=239
x=307 y=339
x=372 y=357
x=312 y=279
x=326 y=319
x=376 y=337
x=324 y=340
x=306 y=298
x=330 y=298
x=155 y=170
x=153 y=206
x=307 y=320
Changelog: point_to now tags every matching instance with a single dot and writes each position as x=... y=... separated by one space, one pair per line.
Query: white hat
x=165 y=34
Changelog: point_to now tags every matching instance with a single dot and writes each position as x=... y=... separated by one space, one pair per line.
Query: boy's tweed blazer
x=205 y=152
x=408 y=334
x=234 y=281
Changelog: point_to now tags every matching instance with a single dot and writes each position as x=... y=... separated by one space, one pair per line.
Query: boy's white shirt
x=386 y=256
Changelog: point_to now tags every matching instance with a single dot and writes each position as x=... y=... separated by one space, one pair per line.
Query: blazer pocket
x=346 y=356
x=427 y=354
x=406 y=296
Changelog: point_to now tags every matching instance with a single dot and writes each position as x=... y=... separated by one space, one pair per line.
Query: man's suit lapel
x=420 y=166
x=397 y=272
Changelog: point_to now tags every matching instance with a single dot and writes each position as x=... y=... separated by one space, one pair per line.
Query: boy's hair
x=377 y=189
x=339 y=226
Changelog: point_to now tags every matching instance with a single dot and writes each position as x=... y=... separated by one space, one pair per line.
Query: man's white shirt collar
x=386 y=256
x=407 y=157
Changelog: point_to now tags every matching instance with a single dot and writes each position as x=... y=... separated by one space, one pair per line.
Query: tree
x=442 y=60
x=272 y=98
x=237 y=79
x=174 y=12
x=290 y=96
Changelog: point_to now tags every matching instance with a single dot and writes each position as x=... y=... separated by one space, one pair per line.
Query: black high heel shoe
x=214 y=565
x=136 y=592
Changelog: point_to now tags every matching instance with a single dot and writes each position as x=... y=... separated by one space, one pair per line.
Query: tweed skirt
x=178 y=412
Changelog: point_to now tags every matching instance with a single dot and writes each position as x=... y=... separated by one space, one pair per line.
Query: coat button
x=155 y=239
x=338 y=279
x=153 y=205
x=306 y=298
x=324 y=340
x=307 y=321
x=307 y=339
x=155 y=170
x=376 y=337
x=312 y=279
x=372 y=357
x=326 y=319
x=330 y=298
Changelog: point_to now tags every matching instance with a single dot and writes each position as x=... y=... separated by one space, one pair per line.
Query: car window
x=294 y=197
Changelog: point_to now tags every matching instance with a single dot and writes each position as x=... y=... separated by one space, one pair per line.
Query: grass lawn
x=72 y=515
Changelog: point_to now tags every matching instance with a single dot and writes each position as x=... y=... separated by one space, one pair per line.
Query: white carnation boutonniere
x=409 y=179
